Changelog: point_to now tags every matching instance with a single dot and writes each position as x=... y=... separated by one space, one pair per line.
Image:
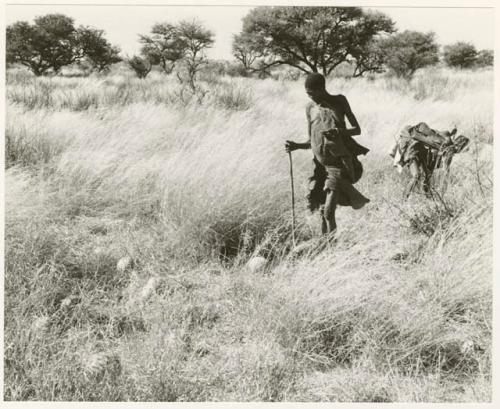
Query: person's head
x=315 y=86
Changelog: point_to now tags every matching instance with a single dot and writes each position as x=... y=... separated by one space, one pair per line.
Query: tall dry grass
x=190 y=186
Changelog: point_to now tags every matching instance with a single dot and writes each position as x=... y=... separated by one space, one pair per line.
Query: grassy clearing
x=189 y=187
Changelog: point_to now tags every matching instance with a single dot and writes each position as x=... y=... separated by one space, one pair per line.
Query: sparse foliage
x=307 y=38
x=460 y=55
x=247 y=50
x=196 y=39
x=181 y=45
x=409 y=51
x=164 y=46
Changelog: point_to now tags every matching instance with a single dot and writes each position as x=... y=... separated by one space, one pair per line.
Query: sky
x=123 y=24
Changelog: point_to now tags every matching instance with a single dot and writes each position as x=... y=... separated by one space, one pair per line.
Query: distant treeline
x=306 y=39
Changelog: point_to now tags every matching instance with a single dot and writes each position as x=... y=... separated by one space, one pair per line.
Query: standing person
x=336 y=166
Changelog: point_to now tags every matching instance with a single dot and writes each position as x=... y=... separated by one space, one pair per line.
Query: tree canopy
x=183 y=43
x=307 y=38
x=96 y=49
x=163 y=46
x=53 y=42
x=409 y=51
x=460 y=55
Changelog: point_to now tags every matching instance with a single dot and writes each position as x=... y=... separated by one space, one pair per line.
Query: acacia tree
x=409 y=51
x=96 y=49
x=195 y=39
x=460 y=55
x=163 y=47
x=53 y=42
x=48 y=44
x=307 y=38
x=368 y=57
x=247 y=51
x=183 y=44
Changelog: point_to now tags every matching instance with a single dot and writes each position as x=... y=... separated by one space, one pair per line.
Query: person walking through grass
x=336 y=166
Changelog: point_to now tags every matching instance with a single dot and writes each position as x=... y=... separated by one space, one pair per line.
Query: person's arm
x=355 y=128
x=291 y=145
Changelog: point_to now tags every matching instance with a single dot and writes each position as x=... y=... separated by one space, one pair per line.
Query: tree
x=181 y=44
x=141 y=66
x=485 y=58
x=196 y=39
x=460 y=55
x=409 y=51
x=246 y=50
x=163 y=47
x=53 y=42
x=96 y=49
x=307 y=38
x=48 y=44
x=369 y=57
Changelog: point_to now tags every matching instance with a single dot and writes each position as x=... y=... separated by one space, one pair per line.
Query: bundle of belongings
x=347 y=195
x=431 y=149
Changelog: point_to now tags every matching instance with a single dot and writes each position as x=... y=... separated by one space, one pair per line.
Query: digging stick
x=293 y=198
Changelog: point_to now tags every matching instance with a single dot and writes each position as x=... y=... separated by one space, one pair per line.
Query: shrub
x=460 y=55
x=485 y=58
x=141 y=66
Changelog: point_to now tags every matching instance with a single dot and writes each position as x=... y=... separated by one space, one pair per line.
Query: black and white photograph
x=248 y=201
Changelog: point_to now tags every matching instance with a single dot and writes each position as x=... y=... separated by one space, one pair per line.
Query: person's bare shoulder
x=341 y=97
x=336 y=101
x=342 y=101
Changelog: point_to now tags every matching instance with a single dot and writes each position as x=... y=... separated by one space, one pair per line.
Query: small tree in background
x=96 y=49
x=409 y=51
x=247 y=51
x=163 y=47
x=196 y=39
x=460 y=55
x=369 y=57
x=181 y=45
x=141 y=66
x=485 y=58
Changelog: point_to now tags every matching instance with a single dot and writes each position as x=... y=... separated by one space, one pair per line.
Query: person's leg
x=427 y=183
x=324 y=227
x=329 y=214
x=415 y=172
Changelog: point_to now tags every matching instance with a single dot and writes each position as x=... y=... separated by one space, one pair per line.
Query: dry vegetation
x=190 y=187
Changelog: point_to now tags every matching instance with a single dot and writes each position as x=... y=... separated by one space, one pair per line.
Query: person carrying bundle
x=336 y=166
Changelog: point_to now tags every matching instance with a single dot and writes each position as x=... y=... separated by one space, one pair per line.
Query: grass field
x=189 y=188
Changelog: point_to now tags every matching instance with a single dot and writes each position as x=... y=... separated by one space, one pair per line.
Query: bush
x=141 y=66
x=485 y=58
x=460 y=55
x=237 y=70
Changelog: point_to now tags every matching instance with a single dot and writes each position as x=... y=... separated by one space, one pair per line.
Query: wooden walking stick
x=293 y=198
